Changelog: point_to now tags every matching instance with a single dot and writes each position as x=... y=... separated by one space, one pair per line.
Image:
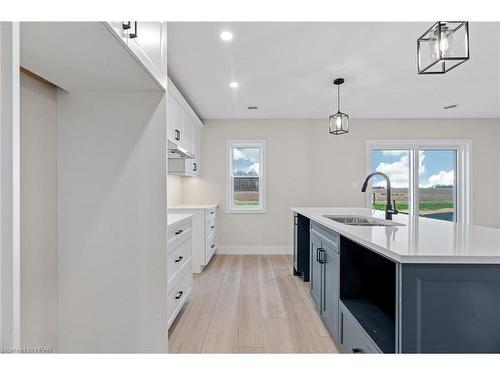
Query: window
x=246 y=176
x=429 y=178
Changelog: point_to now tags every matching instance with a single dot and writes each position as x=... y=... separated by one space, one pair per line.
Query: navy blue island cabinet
x=373 y=304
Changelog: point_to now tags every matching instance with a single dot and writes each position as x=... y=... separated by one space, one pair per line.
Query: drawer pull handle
x=179 y=232
x=128 y=26
x=177 y=135
x=213 y=245
x=212 y=227
x=321 y=258
x=357 y=350
x=212 y=212
x=179 y=259
x=179 y=295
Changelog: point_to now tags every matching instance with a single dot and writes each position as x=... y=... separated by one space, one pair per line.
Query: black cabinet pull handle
x=213 y=245
x=179 y=232
x=194 y=167
x=357 y=350
x=179 y=295
x=179 y=259
x=177 y=135
x=212 y=227
x=127 y=26
x=320 y=257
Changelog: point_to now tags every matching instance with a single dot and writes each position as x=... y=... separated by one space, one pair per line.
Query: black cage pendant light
x=339 y=122
x=444 y=46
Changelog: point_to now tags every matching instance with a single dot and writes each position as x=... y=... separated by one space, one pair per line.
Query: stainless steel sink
x=365 y=221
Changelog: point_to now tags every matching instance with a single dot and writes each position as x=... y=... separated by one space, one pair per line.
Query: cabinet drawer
x=328 y=235
x=353 y=338
x=211 y=247
x=179 y=230
x=177 y=259
x=178 y=295
x=211 y=227
x=211 y=214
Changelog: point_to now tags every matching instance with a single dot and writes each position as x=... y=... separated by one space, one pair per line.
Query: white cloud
x=421 y=165
x=442 y=178
x=398 y=171
x=250 y=154
x=255 y=167
x=238 y=155
x=394 y=152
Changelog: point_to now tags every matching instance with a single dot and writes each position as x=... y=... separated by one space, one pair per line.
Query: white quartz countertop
x=418 y=241
x=177 y=218
x=192 y=206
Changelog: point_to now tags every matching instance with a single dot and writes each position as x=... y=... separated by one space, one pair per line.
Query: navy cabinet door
x=330 y=291
x=451 y=308
x=315 y=272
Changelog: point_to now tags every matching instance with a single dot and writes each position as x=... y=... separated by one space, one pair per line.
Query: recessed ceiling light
x=226 y=36
x=451 y=106
x=253 y=107
x=234 y=85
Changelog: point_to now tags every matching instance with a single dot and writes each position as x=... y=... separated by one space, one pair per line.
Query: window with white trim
x=246 y=176
x=429 y=178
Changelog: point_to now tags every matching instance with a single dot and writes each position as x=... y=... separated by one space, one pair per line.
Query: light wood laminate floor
x=249 y=304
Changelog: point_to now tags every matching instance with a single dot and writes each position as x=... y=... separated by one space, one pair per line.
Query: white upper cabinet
x=175 y=121
x=197 y=129
x=184 y=129
x=187 y=137
x=148 y=42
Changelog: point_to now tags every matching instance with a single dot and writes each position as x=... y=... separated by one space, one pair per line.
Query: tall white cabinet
x=109 y=185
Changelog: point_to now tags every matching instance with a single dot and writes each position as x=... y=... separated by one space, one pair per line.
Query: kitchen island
x=416 y=286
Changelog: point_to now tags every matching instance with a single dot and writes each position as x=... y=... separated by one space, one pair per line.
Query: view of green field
x=437 y=202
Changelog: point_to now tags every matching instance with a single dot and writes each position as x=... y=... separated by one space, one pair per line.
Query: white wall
x=10 y=283
x=38 y=214
x=112 y=222
x=175 y=189
x=308 y=167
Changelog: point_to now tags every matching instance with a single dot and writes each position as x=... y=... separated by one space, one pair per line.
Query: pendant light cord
x=338 y=98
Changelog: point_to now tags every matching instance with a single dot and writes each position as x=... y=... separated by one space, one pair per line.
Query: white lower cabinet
x=204 y=232
x=179 y=260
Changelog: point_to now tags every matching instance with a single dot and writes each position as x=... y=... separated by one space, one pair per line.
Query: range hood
x=178 y=152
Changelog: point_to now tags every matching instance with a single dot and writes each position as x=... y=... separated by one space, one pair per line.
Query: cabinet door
x=197 y=149
x=149 y=45
x=178 y=122
x=171 y=104
x=330 y=291
x=187 y=125
x=315 y=272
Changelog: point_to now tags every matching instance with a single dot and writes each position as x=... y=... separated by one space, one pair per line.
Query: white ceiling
x=286 y=69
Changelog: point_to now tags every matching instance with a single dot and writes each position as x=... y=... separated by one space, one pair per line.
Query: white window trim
x=262 y=175
x=464 y=169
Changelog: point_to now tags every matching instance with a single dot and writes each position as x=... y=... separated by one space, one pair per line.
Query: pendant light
x=339 y=122
x=444 y=46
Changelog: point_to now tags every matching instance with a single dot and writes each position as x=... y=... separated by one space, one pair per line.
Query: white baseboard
x=260 y=250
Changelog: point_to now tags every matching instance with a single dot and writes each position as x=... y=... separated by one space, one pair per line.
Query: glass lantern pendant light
x=443 y=47
x=339 y=122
